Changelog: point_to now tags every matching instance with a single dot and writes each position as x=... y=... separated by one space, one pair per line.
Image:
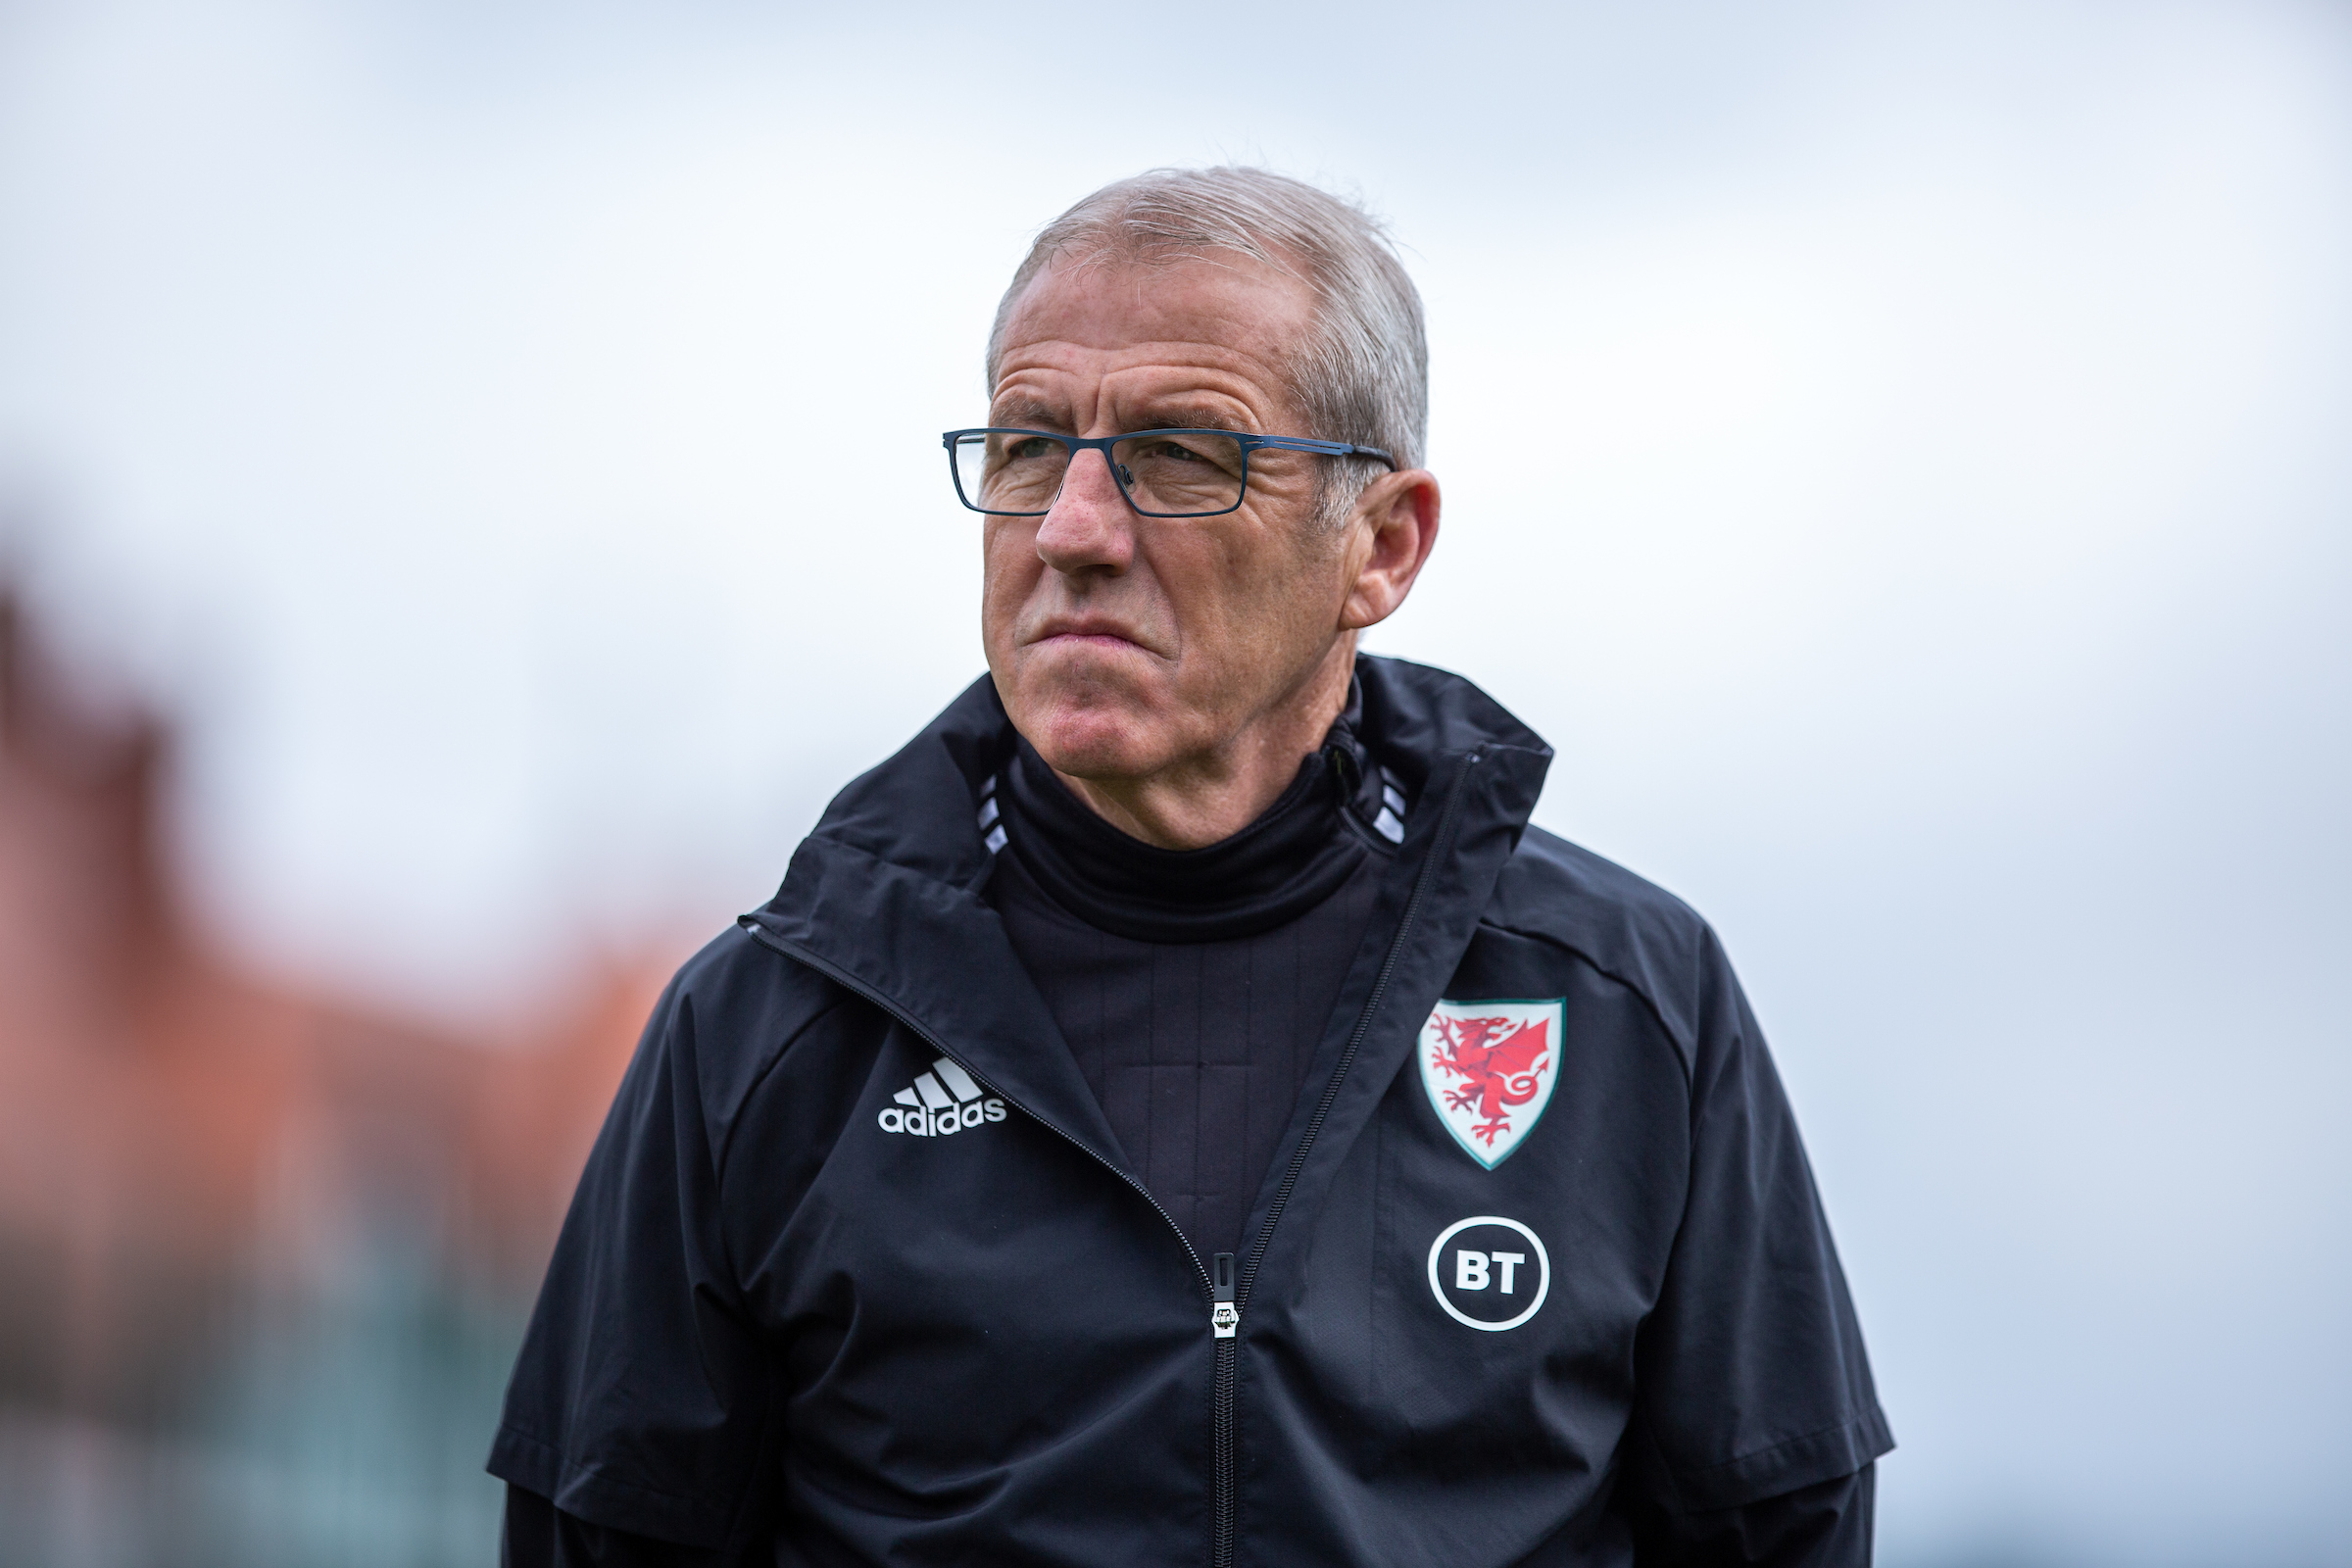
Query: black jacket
x=857 y=1268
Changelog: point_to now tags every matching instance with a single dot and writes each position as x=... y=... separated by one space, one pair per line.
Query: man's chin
x=1097 y=733
x=1097 y=745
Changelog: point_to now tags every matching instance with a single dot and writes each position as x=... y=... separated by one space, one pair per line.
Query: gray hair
x=1362 y=374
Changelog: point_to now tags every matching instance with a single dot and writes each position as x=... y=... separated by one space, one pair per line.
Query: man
x=1177 y=1109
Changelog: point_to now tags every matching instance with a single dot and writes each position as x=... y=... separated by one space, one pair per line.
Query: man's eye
x=1171 y=452
x=1030 y=447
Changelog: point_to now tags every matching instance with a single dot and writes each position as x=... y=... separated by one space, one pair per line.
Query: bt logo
x=1470 y=1268
x=1489 y=1273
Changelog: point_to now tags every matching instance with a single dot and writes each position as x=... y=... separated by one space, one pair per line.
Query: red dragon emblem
x=1497 y=1069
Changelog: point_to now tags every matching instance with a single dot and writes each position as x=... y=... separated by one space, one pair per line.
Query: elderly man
x=1177 y=1110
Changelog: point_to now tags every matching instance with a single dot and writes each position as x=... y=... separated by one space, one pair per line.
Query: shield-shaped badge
x=1488 y=1068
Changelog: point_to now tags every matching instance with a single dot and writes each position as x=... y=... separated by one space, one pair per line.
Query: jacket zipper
x=1225 y=1522
x=1226 y=1295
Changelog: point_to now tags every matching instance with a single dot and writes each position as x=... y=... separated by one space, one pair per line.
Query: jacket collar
x=884 y=895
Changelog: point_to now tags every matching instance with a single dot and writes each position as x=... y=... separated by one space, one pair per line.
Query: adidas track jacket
x=857 y=1273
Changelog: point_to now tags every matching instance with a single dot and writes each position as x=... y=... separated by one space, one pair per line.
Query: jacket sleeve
x=539 y=1535
x=1826 y=1525
x=1751 y=1376
x=644 y=1397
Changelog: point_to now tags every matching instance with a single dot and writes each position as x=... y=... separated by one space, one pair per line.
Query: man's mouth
x=1089 y=632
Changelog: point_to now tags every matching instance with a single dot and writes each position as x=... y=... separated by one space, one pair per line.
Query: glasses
x=1162 y=473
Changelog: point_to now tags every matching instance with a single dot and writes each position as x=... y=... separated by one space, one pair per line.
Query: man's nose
x=1090 y=526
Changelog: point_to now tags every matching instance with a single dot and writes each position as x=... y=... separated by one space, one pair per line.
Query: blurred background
x=470 y=492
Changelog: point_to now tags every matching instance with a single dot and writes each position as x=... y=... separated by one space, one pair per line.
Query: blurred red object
x=177 y=1134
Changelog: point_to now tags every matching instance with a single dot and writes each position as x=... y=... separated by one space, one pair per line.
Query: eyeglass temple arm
x=1328 y=449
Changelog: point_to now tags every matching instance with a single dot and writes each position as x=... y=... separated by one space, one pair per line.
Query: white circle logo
x=1496 y=1275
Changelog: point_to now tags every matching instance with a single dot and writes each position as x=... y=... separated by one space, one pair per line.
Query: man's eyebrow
x=1028 y=413
x=1035 y=414
x=1189 y=417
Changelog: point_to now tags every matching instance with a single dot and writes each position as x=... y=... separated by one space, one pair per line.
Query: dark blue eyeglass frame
x=1103 y=443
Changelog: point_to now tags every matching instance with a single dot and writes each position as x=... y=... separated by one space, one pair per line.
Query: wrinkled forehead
x=1223 y=314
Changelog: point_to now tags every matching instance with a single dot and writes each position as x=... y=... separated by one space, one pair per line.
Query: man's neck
x=1205 y=799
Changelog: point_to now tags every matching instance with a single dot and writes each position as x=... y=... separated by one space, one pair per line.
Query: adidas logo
x=946 y=1100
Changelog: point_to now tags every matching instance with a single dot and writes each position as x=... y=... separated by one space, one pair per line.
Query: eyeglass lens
x=1164 y=474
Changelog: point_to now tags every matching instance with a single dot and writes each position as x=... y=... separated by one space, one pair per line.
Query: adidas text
x=946 y=1100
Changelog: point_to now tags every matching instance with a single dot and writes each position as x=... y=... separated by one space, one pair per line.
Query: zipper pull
x=1224 y=1317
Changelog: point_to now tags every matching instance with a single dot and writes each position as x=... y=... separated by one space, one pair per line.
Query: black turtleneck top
x=1193 y=986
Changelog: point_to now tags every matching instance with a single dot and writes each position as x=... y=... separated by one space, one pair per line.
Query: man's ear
x=1390 y=533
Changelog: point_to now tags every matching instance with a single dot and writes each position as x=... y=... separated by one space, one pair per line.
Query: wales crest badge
x=1488 y=1068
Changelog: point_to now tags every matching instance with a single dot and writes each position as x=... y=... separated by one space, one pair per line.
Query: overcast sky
x=1897 y=455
